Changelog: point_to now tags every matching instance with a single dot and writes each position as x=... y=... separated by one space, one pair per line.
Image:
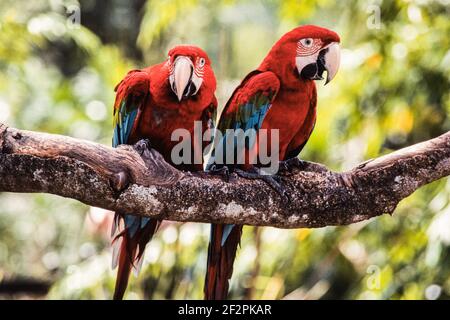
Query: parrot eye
x=307 y=42
x=201 y=62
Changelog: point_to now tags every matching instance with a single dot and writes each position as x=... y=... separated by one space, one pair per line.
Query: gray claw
x=142 y=145
x=274 y=181
x=291 y=164
x=223 y=171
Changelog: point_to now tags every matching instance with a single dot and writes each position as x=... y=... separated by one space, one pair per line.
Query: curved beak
x=181 y=76
x=332 y=60
x=326 y=59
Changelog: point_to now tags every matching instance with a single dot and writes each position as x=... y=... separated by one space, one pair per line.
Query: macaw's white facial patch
x=186 y=77
x=313 y=59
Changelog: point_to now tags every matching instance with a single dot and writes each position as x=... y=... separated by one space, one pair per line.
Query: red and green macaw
x=150 y=104
x=279 y=94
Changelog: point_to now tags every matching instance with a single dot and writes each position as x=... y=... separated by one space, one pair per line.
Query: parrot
x=279 y=94
x=150 y=104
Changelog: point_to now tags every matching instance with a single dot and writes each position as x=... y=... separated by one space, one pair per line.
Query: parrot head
x=189 y=70
x=305 y=52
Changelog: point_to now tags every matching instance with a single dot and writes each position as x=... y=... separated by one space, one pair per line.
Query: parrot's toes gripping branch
x=222 y=171
x=287 y=166
x=273 y=181
x=142 y=145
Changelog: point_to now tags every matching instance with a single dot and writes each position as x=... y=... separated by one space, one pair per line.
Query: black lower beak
x=314 y=71
x=189 y=90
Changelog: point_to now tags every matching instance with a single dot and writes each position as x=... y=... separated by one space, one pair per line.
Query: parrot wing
x=130 y=233
x=208 y=119
x=245 y=110
x=250 y=101
x=132 y=94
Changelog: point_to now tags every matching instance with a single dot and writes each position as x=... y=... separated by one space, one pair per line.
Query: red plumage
x=220 y=262
x=147 y=106
x=293 y=112
x=131 y=250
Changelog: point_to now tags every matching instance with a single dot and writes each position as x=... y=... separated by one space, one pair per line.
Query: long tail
x=221 y=253
x=128 y=247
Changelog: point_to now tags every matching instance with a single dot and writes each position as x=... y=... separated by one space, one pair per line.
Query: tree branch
x=137 y=179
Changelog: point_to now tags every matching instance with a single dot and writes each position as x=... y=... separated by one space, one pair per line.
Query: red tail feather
x=130 y=252
x=220 y=262
x=123 y=273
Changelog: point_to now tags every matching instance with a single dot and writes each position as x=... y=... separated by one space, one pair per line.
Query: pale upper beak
x=181 y=76
x=332 y=60
x=326 y=59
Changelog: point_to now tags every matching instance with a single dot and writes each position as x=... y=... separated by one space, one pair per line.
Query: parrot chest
x=157 y=124
x=293 y=114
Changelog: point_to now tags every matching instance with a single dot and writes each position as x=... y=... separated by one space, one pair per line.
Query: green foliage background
x=392 y=91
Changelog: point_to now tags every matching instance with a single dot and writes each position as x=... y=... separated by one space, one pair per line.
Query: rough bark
x=138 y=180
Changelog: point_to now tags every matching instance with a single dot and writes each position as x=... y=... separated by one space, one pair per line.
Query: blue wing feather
x=226 y=232
x=248 y=115
x=125 y=117
x=255 y=117
x=123 y=127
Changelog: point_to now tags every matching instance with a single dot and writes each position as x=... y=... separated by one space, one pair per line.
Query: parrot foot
x=287 y=166
x=142 y=145
x=222 y=171
x=274 y=181
x=291 y=164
